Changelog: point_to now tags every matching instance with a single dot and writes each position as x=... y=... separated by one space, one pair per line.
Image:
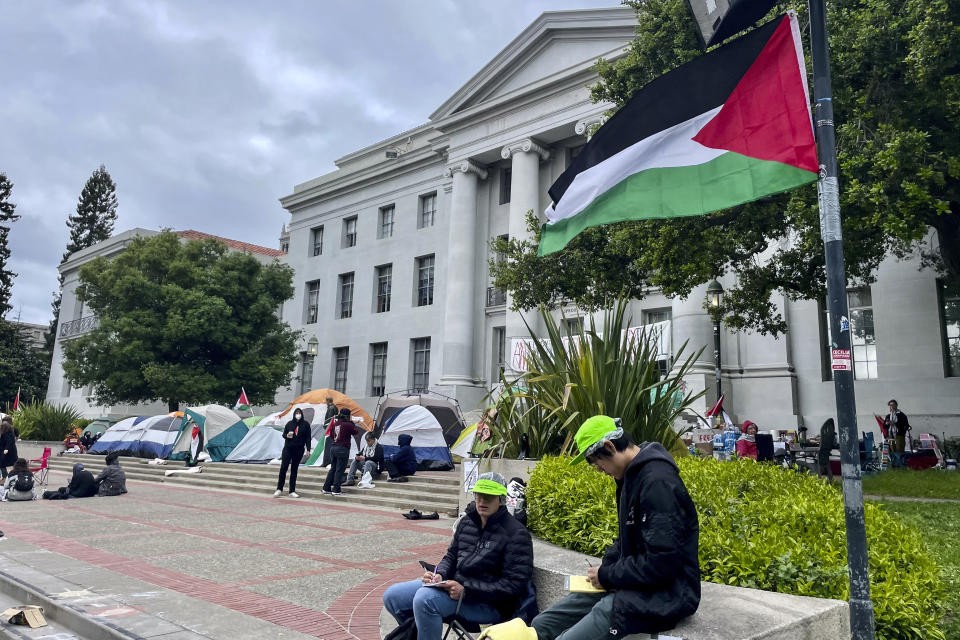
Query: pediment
x=558 y=42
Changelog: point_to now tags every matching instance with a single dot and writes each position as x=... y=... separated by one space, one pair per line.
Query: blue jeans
x=578 y=616
x=430 y=605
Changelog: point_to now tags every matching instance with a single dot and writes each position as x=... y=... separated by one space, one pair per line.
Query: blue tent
x=428 y=444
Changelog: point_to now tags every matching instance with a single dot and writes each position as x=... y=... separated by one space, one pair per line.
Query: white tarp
x=262 y=444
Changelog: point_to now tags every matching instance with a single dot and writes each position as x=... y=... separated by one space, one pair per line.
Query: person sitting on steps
x=368 y=460
x=403 y=463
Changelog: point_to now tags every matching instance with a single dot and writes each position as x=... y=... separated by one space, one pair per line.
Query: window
x=506 y=178
x=340 y=357
x=950 y=326
x=499 y=352
x=653 y=316
x=350 y=232
x=421 y=363
x=385 y=229
x=378 y=369
x=346 y=295
x=573 y=325
x=428 y=207
x=863 y=340
x=316 y=241
x=312 y=302
x=306 y=374
x=384 y=279
x=285 y=246
x=425 y=280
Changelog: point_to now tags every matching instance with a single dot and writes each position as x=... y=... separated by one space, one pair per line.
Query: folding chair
x=41 y=471
x=462 y=629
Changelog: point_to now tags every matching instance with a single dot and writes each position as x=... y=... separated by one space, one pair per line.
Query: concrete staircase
x=427 y=491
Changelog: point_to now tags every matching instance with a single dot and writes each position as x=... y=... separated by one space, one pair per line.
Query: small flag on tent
x=16 y=401
x=242 y=403
x=729 y=127
x=717 y=410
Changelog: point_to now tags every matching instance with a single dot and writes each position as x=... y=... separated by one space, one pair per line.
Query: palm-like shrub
x=45 y=421
x=574 y=375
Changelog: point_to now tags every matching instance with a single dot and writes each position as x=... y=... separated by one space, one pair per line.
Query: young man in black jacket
x=651 y=575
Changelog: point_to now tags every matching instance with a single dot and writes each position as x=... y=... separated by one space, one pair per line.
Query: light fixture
x=714 y=294
x=392 y=154
x=312 y=346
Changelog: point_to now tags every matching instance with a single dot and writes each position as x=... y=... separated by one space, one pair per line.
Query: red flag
x=16 y=401
x=242 y=400
x=716 y=409
x=883 y=427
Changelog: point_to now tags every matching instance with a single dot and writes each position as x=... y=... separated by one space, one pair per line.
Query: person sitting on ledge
x=747 y=443
x=403 y=463
x=368 y=460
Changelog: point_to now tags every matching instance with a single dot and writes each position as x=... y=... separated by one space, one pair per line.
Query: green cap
x=593 y=433
x=489 y=487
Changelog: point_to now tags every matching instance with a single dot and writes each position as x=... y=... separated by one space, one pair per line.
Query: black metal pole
x=716 y=356
x=861 y=607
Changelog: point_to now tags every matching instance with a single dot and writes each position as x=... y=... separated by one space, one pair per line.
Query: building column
x=692 y=324
x=460 y=306
x=525 y=157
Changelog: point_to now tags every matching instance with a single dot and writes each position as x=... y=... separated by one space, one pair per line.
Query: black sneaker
x=326 y=492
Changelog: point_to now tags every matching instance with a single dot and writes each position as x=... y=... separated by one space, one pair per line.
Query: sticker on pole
x=840 y=360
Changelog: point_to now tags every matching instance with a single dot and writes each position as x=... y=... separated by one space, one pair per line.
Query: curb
x=80 y=623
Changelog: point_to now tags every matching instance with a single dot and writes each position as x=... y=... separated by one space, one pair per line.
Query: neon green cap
x=489 y=487
x=593 y=433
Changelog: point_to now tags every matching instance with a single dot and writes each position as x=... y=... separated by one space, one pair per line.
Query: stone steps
x=435 y=491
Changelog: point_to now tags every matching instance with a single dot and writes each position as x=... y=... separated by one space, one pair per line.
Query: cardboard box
x=27 y=615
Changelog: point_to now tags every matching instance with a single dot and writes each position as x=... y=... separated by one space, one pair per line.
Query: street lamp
x=714 y=300
x=312 y=346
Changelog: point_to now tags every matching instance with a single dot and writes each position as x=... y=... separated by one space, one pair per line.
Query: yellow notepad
x=580 y=584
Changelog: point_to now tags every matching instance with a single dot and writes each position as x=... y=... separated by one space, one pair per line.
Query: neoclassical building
x=391 y=258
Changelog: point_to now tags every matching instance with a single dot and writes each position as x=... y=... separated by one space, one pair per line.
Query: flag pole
x=841 y=361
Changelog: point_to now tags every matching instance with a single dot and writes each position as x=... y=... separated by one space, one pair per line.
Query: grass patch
x=930 y=483
x=940 y=525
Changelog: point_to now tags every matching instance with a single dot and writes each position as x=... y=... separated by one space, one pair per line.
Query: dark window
x=863 y=339
x=499 y=352
x=346 y=295
x=385 y=230
x=421 y=363
x=950 y=325
x=425 y=280
x=384 y=284
x=306 y=375
x=428 y=207
x=378 y=370
x=316 y=240
x=350 y=232
x=313 y=300
x=341 y=356
x=506 y=176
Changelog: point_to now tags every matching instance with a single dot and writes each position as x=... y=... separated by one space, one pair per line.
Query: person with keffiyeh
x=747 y=442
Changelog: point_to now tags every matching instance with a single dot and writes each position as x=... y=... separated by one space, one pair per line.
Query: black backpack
x=24 y=481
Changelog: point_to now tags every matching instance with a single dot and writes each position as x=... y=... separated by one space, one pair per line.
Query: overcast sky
x=205 y=113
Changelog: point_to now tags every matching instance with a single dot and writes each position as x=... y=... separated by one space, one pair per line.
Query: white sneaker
x=276 y=494
x=294 y=494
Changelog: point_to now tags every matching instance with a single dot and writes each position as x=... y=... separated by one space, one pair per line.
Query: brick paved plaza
x=178 y=562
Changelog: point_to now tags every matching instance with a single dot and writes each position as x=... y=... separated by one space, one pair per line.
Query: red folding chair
x=40 y=472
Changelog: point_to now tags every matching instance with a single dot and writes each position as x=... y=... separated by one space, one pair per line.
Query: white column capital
x=465 y=167
x=585 y=127
x=528 y=146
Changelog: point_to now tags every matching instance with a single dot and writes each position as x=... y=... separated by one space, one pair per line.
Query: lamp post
x=312 y=346
x=714 y=299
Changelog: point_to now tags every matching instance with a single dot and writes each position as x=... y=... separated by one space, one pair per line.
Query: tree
x=183 y=322
x=92 y=223
x=7 y=216
x=897 y=105
x=21 y=367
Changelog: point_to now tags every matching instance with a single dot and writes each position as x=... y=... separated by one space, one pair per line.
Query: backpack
x=24 y=481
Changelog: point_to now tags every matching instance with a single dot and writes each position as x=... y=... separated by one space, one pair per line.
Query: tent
x=222 y=430
x=112 y=438
x=252 y=421
x=428 y=438
x=261 y=445
x=151 y=437
x=98 y=426
x=314 y=407
x=446 y=411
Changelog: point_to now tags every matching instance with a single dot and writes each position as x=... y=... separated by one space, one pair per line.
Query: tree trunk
x=173 y=405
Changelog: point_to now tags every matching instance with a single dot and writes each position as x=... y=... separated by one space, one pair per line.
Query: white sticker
x=828 y=192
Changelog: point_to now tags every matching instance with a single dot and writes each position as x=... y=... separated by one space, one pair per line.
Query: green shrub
x=44 y=421
x=762 y=527
x=81 y=423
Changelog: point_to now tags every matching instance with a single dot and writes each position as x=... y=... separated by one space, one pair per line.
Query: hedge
x=762 y=527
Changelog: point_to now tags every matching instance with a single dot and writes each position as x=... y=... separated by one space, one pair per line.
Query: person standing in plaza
x=341 y=432
x=296 y=442
x=897 y=427
x=828 y=442
x=8 y=446
x=328 y=417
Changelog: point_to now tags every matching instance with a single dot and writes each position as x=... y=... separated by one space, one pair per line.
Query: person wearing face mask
x=296 y=441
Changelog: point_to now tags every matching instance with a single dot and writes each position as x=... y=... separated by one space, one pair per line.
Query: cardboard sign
x=26 y=615
x=840 y=360
x=704 y=435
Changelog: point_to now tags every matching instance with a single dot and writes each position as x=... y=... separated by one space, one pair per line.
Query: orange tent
x=340 y=400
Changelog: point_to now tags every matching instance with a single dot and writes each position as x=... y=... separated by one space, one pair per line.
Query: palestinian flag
x=732 y=126
x=242 y=403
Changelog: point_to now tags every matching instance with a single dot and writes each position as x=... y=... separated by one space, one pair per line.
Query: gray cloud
x=206 y=112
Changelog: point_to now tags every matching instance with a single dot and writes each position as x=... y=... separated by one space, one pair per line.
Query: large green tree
x=22 y=367
x=7 y=216
x=183 y=322
x=92 y=223
x=896 y=86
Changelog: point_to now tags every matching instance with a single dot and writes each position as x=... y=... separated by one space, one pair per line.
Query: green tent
x=221 y=430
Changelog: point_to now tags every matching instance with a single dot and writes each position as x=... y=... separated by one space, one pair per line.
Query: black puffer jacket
x=494 y=564
x=652 y=566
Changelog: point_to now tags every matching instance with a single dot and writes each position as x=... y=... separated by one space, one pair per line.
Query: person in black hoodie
x=651 y=574
x=489 y=564
x=403 y=462
x=296 y=441
x=82 y=485
x=342 y=432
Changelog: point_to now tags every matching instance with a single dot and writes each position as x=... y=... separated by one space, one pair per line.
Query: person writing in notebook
x=651 y=574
